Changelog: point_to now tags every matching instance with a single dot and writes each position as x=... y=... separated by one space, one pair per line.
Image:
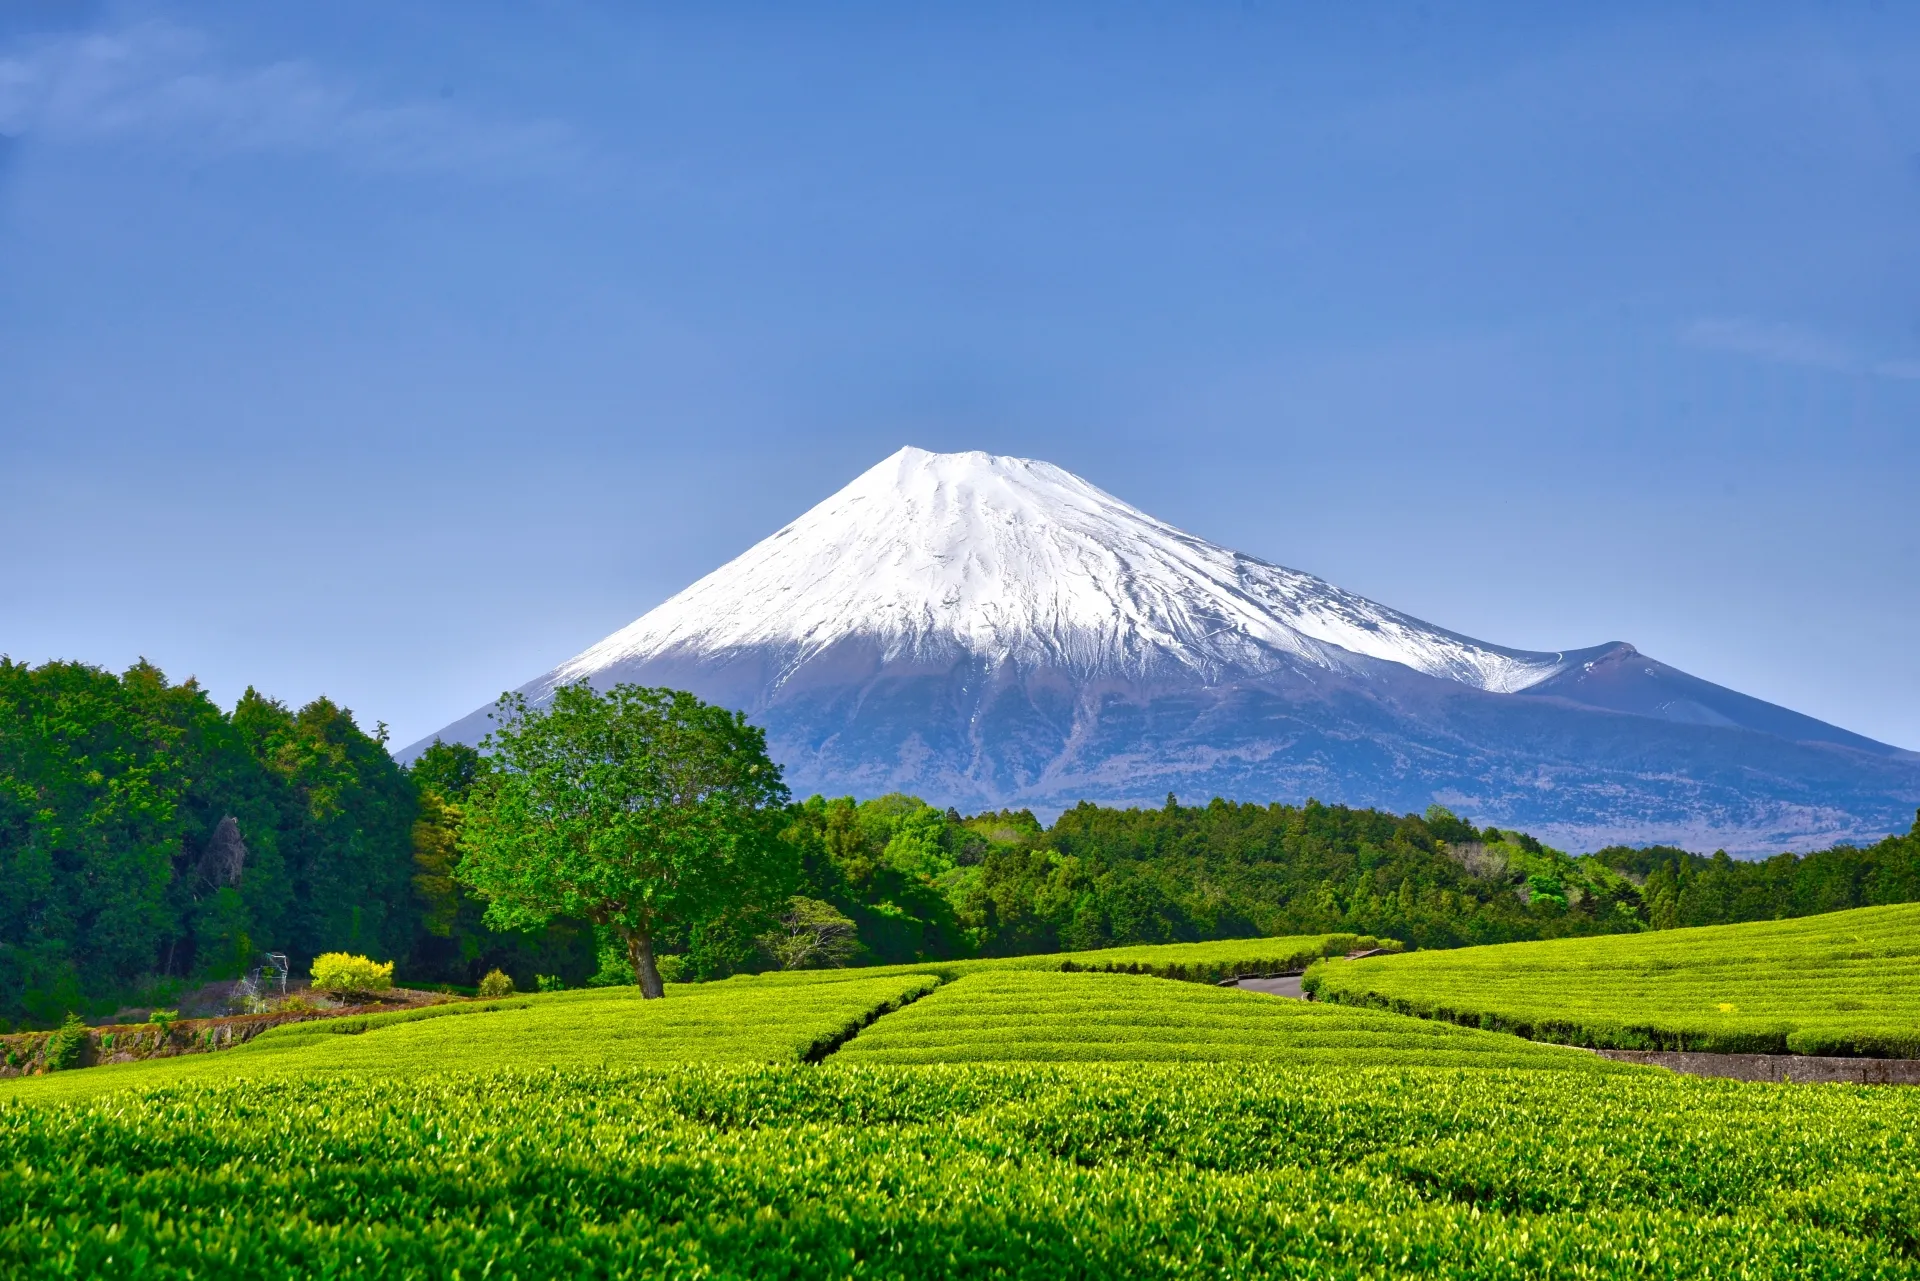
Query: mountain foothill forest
x=151 y=841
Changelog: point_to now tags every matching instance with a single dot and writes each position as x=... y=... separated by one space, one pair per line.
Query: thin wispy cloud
x=1789 y=344
x=167 y=85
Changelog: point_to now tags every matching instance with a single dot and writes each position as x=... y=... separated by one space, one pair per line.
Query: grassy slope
x=777 y=1018
x=1110 y=1017
x=765 y=1018
x=1840 y=983
x=1008 y=1170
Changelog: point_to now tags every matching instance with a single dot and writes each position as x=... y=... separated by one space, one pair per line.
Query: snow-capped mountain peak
x=1011 y=560
x=989 y=632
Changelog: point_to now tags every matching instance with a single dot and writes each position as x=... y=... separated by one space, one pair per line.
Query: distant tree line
x=1680 y=889
x=148 y=840
x=921 y=882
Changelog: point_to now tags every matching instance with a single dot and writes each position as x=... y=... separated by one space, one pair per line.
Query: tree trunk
x=645 y=972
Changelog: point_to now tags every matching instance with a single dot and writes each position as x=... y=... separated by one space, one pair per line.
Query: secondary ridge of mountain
x=987 y=631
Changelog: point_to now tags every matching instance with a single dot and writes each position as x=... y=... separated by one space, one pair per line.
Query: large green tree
x=645 y=811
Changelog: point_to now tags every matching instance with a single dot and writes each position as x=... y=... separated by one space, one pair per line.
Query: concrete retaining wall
x=1801 y=1068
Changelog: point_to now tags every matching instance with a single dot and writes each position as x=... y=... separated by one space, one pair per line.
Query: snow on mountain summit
x=991 y=633
x=936 y=556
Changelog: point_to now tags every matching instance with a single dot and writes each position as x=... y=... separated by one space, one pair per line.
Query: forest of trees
x=149 y=840
x=920 y=882
x=147 y=834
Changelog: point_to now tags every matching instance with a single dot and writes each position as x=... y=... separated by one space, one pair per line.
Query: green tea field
x=771 y=1018
x=1050 y=1018
x=1841 y=983
x=975 y=1119
x=1000 y=1170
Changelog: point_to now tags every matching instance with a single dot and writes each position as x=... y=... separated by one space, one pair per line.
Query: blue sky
x=398 y=352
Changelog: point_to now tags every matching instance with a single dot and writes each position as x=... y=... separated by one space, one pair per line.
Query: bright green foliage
x=645 y=811
x=1839 y=983
x=596 y=1133
x=903 y=872
x=766 y=1019
x=494 y=984
x=808 y=935
x=455 y=944
x=109 y=788
x=1040 y=1017
x=1123 y=1171
x=922 y=884
x=770 y=1017
x=449 y=769
x=340 y=974
x=1179 y=872
x=1682 y=889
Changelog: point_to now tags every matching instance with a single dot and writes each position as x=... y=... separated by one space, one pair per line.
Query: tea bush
x=495 y=984
x=1843 y=983
x=1001 y=1170
x=595 y=1133
x=1029 y=1016
x=743 y=1020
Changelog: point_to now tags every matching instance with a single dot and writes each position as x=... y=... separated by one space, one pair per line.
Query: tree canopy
x=645 y=811
x=147 y=837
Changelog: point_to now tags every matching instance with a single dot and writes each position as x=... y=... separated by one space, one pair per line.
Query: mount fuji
x=986 y=631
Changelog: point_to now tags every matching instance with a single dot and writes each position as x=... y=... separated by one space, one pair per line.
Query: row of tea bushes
x=1841 y=983
x=1003 y=1170
x=1215 y=962
x=781 y=1019
x=1061 y=1017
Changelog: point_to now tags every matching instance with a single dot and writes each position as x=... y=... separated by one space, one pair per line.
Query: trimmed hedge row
x=752 y=1022
x=1004 y=1171
x=1846 y=983
x=1047 y=1017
